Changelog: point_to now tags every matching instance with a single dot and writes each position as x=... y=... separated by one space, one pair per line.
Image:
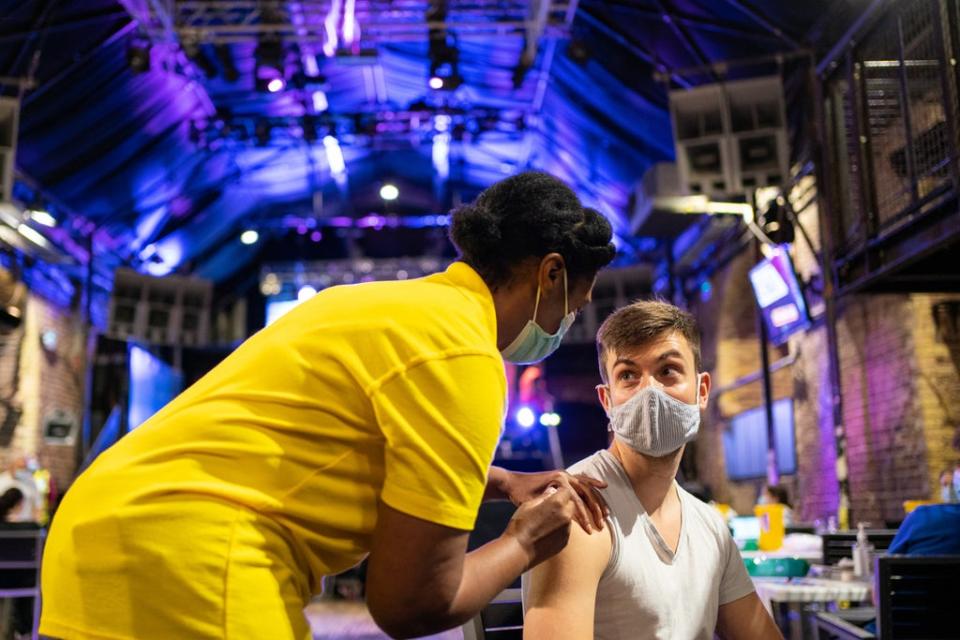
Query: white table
x=792 y=593
x=811 y=556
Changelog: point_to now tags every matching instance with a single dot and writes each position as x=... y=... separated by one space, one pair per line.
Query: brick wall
x=900 y=380
x=936 y=334
x=50 y=380
x=885 y=440
x=731 y=351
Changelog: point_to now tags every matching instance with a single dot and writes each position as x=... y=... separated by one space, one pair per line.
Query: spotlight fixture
x=445 y=70
x=310 y=128
x=305 y=293
x=225 y=58
x=42 y=217
x=138 y=55
x=198 y=56
x=250 y=236
x=443 y=52
x=320 y=103
x=578 y=52
x=525 y=417
x=389 y=192
x=261 y=132
x=270 y=57
x=550 y=419
x=334 y=155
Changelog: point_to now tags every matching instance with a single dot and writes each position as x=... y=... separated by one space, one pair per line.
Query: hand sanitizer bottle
x=862 y=550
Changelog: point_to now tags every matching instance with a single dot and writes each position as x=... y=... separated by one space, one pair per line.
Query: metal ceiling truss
x=379 y=21
x=361 y=128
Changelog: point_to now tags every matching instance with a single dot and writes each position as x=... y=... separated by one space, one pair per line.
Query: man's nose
x=649 y=381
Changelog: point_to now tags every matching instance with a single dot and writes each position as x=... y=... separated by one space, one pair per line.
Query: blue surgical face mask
x=946 y=493
x=533 y=344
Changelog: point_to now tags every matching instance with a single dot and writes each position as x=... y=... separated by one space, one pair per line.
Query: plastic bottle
x=862 y=551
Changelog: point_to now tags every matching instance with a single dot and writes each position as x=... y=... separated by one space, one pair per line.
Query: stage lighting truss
x=379 y=21
x=285 y=280
x=362 y=128
x=352 y=32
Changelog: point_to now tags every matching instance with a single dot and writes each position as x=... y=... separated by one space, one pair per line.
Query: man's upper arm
x=560 y=593
x=746 y=619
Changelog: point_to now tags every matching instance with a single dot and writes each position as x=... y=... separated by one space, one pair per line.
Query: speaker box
x=730 y=137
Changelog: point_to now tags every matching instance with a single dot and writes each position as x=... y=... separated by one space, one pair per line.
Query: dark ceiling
x=167 y=166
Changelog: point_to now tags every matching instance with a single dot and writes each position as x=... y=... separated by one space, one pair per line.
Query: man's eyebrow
x=673 y=353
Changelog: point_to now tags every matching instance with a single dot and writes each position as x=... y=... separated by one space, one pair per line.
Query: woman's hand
x=518 y=488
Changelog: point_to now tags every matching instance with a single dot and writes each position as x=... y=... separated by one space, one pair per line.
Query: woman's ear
x=551 y=271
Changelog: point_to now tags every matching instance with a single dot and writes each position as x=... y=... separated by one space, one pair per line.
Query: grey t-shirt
x=646 y=590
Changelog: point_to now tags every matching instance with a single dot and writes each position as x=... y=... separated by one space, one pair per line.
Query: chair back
x=21 y=550
x=839 y=545
x=502 y=619
x=917 y=597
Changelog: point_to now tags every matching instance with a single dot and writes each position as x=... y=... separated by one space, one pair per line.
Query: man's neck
x=651 y=478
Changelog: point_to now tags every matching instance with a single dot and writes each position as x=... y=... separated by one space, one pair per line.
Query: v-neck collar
x=666 y=554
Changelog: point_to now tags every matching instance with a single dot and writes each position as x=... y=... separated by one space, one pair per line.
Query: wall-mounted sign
x=60 y=427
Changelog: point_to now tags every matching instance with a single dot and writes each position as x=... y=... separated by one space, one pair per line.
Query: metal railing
x=890 y=104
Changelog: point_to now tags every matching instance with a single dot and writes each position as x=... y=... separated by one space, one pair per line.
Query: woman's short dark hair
x=9 y=500
x=525 y=216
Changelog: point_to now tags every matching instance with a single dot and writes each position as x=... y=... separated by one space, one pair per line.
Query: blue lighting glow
x=334 y=156
x=550 y=419
x=706 y=290
x=525 y=417
x=441 y=154
x=153 y=383
x=320 y=103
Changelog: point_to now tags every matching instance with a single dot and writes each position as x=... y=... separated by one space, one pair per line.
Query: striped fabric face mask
x=654 y=423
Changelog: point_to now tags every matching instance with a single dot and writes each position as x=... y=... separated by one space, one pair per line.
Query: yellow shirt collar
x=465 y=278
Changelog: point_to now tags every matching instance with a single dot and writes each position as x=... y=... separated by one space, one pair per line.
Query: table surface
x=810 y=555
x=810 y=589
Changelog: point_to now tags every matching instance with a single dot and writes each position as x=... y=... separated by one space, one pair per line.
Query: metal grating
x=923 y=68
x=885 y=118
x=893 y=116
x=845 y=144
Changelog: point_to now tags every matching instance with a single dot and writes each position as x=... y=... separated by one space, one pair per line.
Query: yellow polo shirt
x=390 y=390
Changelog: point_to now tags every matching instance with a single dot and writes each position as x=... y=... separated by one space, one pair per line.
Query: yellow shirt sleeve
x=441 y=420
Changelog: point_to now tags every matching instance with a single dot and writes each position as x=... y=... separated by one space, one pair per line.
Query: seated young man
x=666 y=567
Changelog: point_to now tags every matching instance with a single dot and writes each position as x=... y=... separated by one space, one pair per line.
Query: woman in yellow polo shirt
x=362 y=422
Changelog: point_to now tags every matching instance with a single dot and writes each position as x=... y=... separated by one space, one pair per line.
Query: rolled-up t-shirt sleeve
x=735 y=582
x=441 y=419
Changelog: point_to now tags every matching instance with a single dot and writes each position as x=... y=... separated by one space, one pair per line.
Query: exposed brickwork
x=936 y=334
x=900 y=379
x=885 y=441
x=49 y=380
